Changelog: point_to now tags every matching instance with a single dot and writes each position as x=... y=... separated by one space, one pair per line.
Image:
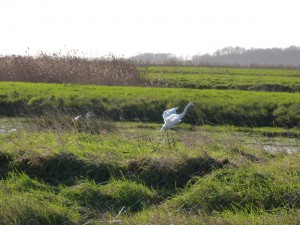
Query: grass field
x=242 y=108
x=224 y=78
x=222 y=71
x=64 y=174
x=234 y=159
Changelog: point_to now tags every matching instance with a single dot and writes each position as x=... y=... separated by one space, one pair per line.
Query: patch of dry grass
x=58 y=68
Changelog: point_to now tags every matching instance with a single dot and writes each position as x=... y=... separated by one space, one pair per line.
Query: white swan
x=171 y=117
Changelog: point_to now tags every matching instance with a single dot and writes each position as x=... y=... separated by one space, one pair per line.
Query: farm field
x=224 y=78
x=234 y=159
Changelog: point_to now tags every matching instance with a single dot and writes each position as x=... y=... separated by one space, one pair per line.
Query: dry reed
x=58 y=68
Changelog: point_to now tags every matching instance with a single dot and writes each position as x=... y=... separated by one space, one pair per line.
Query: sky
x=130 y=27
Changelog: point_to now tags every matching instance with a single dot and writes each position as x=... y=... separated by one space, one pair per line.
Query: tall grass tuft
x=27 y=201
x=252 y=189
x=111 y=196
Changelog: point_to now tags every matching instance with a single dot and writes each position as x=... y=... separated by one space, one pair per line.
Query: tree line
x=229 y=56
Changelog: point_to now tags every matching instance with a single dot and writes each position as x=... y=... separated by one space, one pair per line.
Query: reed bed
x=59 y=68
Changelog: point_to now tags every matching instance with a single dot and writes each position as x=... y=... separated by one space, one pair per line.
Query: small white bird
x=12 y=130
x=171 y=117
x=88 y=116
x=77 y=117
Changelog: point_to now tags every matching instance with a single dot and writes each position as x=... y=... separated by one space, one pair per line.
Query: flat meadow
x=234 y=159
x=224 y=78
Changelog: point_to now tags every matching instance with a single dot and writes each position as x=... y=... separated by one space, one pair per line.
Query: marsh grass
x=56 y=174
x=249 y=189
x=70 y=68
x=25 y=200
x=111 y=196
x=60 y=120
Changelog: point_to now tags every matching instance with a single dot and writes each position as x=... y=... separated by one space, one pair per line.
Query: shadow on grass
x=5 y=159
x=169 y=173
x=66 y=168
x=63 y=168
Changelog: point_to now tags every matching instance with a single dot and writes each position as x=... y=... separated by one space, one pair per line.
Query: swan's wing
x=173 y=119
x=169 y=112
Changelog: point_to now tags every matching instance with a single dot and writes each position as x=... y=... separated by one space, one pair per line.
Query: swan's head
x=191 y=104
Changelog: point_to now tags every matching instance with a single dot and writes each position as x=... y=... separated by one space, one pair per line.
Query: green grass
x=222 y=70
x=224 y=78
x=59 y=175
x=54 y=170
x=255 y=188
x=243 y=108
x=25 y=200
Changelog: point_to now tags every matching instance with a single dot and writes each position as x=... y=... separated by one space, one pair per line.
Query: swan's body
x=171 y=117
x=169 y=112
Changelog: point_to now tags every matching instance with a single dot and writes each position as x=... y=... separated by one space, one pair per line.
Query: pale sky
x=128 y=27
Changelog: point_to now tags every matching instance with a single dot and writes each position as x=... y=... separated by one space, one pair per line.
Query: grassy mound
x=111 y=196
x=170 y=173
x=248 y=189
x=24 y=201
x=63 y=168
x=66 y=168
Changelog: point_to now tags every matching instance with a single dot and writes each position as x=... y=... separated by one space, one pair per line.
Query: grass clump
x=162 y=215
x=111 y=196
x=27 y=201
x=252 y=189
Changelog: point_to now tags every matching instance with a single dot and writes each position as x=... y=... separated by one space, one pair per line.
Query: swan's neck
x=185 y=110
